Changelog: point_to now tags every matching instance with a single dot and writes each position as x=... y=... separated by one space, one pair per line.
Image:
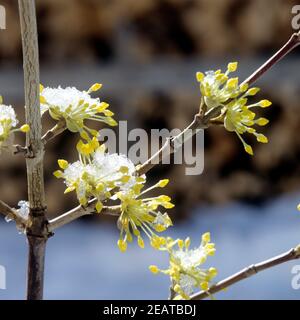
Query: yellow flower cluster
x=185 y=270
x=143 y=214
x=96 y=173
x=218 y=89
x=74 y=107
x=8 y=123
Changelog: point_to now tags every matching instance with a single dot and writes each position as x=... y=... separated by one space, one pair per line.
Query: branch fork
x=37 y=227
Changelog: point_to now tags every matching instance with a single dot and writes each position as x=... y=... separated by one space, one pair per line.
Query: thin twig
x=173 y=143
x=79 y=212
x=55 y=131
x=12 y=213
x=172 y=293
x=291 y=44
x=59 y=128
x=204 y=121
x=37 y=233
x=248 y=272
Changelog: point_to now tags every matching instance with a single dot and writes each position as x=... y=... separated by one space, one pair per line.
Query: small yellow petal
x=84 y=135
x=212 y=272
x=95 y=87
x=232 y=83
x=25 y=128
x=154 y=269
x=187 y=242
x=261 y=138
x=125 y=178
x=108 y=113
x=42 y=100
x=69 y=189
x=206 y=237
x=204 y=285
x=180 y=243
x=248 y=149
x=100 y=187
x=244 y=87
x=141 y=242
x=163 y=183
x=99 y=206
x=232 y=66
x=102 y=106
x=199 y=76
x=112 y=122
x=63 y=164
x=124 y=169
x=252 y=91
x=58 y=174
x=262 y=121
x=122 y=245
x=265 y=103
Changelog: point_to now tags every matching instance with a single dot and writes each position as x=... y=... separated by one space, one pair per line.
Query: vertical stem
x=37 y=233
x=36 y=260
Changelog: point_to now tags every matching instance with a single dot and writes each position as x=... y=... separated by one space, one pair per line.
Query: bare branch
x=291 y=44
x=78 y=212
x=197 y=124
x=37 y=233
x=203 y=121
x=248 y=272
x=55 y=131
x=59 y=128
x=173 y=143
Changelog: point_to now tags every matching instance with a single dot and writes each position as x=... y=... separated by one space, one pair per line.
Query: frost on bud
x=185 y=266
x=219 y=89
x=74 y=107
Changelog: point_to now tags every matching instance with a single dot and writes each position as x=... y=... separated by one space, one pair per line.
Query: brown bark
x=37 y=233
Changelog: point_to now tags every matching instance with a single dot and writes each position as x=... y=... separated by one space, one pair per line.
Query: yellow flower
x=185 y=271
x=240 y=118
x=142 y=214
x=218 y=90
x=96 y=174
x=75 y=107
x=8 y=123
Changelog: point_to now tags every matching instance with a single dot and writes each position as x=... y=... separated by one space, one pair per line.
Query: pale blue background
x=83 y=261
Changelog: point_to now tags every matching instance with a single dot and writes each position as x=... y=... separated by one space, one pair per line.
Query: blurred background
x=146 y=54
